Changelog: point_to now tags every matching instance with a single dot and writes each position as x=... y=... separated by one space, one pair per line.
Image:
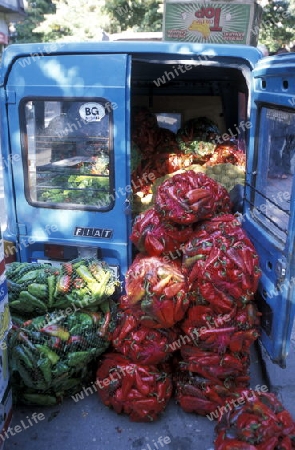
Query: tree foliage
x=74 y=20
x=277 y=27
x=138 y=15
x=35 y=15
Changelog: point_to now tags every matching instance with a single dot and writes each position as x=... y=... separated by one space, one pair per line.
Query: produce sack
x=191 y=197
x=222 y=261
x=215 y=367
x=142 y=344
x=141 y=391
x=156 y=291
x=256 y=421
x=34 y=289
x=234 y=331
x=198 y=136
x=151 y=235
x=201 y=395
x=50 y=356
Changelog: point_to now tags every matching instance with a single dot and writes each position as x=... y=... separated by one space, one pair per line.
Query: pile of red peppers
x=189 y=313
x=258 y=421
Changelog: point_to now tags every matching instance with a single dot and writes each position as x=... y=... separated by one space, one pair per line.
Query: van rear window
x=276 y=151
x=68 y=154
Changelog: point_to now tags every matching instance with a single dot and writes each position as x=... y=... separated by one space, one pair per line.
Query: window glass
x=68 y=153
x=275 y=171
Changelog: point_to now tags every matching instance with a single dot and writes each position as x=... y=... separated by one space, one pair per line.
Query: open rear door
x=68 y=134
x=269 y=215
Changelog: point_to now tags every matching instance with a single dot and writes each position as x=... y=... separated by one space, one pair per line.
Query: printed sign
x=93 y=232
x=92 y=112
x=212 y=22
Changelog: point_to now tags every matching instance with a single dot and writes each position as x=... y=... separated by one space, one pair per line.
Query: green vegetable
x=51 y=281
x=39 y=399
x=44 y=365
x=38 y=290
x=50 y=354
x=32 y=303
x=76 y=359
x=28 y=276
x=24 y=355
x=85 y=274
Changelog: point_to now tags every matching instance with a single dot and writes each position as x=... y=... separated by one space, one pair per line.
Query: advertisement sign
x=218 y=22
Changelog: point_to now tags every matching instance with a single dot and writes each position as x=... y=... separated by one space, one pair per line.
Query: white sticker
x=92 y=112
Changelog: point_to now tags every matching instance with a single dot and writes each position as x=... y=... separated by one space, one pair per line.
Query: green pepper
x=24 y=356
x=50 y=354
x=56 y=330
x=83 y=318
x=28 y=276
x=51 y=281
x=38 y=290
x=44 y=365
x=60 y=368
x=76 y=359
x=84 y=273
x=39 y=399
x=32 y=303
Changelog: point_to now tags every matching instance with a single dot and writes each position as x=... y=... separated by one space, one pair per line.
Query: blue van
x=66 y=149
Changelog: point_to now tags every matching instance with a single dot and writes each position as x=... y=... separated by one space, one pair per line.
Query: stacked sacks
x=220 y=272
x=62 y=318
x=223 y=271
x=155 y=300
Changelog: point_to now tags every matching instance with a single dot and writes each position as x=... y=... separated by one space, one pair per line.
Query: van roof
x=176 y=49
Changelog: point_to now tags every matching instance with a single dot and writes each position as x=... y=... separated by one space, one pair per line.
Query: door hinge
x=280 y=270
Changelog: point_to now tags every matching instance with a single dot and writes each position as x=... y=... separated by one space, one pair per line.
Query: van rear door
x=69 y=148
x=269 y=214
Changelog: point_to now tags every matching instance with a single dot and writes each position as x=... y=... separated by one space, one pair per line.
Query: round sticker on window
x=92 y=112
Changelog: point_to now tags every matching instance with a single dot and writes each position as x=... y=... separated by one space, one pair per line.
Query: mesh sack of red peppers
x=255 y=420
x=188 y=302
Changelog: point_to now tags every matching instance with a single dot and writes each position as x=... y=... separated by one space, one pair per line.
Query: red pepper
x=196 y=404
x=56 y=330
x=63 y=284
x=286 y=444
x=127 y=384
x=270 y=444
x=286 y=421
x=102 y=331
x=128 y=324
x=68 y=268
x=153 y=246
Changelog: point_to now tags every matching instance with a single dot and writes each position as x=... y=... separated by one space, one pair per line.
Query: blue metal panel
x=26 y=55
x=273 y=90
x=85 y=78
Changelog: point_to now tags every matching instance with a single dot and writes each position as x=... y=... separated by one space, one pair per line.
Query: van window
x=67 y=153
x=275 y=173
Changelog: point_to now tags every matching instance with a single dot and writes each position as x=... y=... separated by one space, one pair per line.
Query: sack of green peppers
x=35 y=289
x=51 y=356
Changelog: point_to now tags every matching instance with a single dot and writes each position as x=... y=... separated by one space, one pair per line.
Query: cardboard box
x=218 y=22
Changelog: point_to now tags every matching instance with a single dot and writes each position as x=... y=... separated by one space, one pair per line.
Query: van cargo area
x=145 y=190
